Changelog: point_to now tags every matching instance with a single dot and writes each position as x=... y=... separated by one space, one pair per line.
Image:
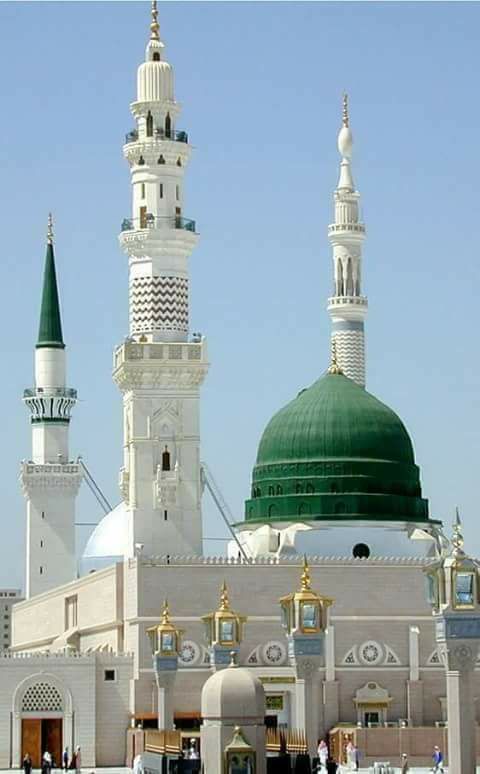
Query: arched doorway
x=43 y=719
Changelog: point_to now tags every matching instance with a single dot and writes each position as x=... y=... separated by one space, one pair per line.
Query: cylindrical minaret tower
x=50 y=480
x=158 y=369
x=347 y=306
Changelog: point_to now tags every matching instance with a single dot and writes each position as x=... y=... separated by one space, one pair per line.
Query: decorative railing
x=340 y=300
x=159 y=134
x=358 y=228
x=158 y=222
x=57 y=392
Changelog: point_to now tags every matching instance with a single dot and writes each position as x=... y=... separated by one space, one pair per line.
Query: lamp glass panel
x=241 y=763
x=432 y=589
x=285 y=616
x=168 y=642
x=464 y=588
x=227 y=630
x=309 y=614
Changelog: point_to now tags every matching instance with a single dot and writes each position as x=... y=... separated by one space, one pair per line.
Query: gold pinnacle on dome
x=334 y=368
x=224 y=603
x=50 y=229
x=457 y=539
x=306 y=582
x=345 y=118
x=154 y=26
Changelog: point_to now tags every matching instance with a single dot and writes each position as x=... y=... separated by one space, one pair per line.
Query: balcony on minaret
x=152 y=222
x=346 y=228
x=160 y=364
x=50 y=404
x=160 y=135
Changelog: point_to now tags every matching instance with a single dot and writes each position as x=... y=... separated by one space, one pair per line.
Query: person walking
x=322 y=754
x=404 y=767
x=27 y=764
x=437 y=759
x=46 y=763
x=73 y=762
x=65 y=759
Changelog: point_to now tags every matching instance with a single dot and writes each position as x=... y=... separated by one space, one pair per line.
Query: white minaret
x=50 y=480
x=347 y=306
x=158 y=369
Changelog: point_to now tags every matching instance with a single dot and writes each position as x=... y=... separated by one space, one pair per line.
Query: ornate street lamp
x=305 y=619
x=453 y=593
x=224 y=631
x=165 y=642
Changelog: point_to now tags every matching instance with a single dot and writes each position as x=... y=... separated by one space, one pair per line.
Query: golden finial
x=334 y=368
x=457 y=539
x=345 y=119
x=50 y=229
x=224 y=603
x=165 y=613
x=306 y=583
x=154 y=26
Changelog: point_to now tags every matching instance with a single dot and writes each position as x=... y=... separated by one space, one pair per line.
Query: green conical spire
x=50 y=329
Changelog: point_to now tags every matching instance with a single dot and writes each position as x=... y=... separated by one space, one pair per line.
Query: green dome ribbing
x=336 y=452
x=50 y=329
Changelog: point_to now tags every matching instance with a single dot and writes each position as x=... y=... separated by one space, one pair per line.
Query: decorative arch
x=45 y=679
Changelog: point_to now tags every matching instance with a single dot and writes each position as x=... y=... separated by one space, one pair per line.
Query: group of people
x=73 y=763
x=326 y=763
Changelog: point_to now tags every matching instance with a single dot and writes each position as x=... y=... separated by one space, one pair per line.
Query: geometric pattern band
x=350 y=353
x=159 y=304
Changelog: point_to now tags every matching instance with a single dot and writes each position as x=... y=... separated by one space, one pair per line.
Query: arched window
x=42 y=697
x=179 y=162
x=310 y=489
x=168 y=126
x=161 y=160
x=259 y=492
x=298 y=488
x=166 y=459
x=349 y=283
x=271 y=490
x=272 y=511
x=156 y=56
x=141 y=161
x=339 y=278
x=149 y=124
x=304 y=509
x=279 y=490
x=334 y=487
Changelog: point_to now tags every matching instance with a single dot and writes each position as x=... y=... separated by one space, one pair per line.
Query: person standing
x=437 y=759
x=65 y=759
x=73 y=762
x=27 y=764
x=322 y=754
x=404 y=767
x=78 y=759
x=46 y=763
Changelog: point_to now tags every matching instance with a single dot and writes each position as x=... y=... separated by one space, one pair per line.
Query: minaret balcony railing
x=160 y=134
x=341 y=300
x=153 y=222
x=358 y=228
x=57 y=392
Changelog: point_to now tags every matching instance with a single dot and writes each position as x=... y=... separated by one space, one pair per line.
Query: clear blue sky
x=261 y=87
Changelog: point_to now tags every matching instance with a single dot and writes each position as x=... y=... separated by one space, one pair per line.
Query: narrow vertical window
x=166 y=459
x=143 y=190
x=161 y=190
x=149 y=125
x=41 y=570
x=177 y=192
x=165 y=516
x=43 y=514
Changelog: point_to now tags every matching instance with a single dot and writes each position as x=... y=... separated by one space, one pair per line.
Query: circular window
x=274 y=653
x=189 y=653
x=371 y=652
x=361 y=551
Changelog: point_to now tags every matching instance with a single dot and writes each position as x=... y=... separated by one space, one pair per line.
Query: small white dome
x=155 y=82
x=234 y=693
x=108 y=541
x=345 y=142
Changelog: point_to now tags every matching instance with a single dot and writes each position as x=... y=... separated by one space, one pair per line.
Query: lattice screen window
x=42 y=697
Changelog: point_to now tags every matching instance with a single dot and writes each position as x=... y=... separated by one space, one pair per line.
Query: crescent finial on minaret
x=50 y=229
x=345 y=119
x=154 y=26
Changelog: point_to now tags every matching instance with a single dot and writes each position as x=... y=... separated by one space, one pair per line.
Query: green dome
x=336 y=452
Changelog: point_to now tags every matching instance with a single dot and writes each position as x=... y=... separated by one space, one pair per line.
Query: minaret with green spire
x=50 y=479
x=50 y=329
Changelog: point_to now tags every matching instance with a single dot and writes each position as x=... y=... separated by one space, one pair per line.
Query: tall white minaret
x=158 y=369
x=50 y=480
x=347 y=306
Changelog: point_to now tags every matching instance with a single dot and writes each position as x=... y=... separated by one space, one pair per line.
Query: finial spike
x=224 y=602
x=50 y=229
x=457 y=539
x=306 y=583
x=154 y=26
x=165 y=613
x=334 y=368
x=345 y=117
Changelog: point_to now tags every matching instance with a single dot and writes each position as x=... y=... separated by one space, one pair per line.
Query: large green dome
x=336 y=452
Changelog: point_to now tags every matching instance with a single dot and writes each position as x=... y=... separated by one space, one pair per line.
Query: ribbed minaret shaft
x=158 y=369
x=50 y=480
x=347 y=306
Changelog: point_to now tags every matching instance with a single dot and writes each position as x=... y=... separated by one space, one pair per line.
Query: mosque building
x=335 y=478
